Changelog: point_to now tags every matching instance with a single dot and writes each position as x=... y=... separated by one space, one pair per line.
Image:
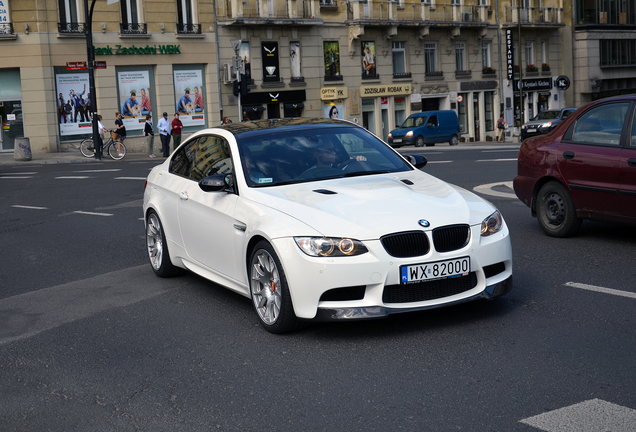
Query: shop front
x=535 y=97
x=271 y=104
x=11 y=115
x=476 y=110
x=384 y=107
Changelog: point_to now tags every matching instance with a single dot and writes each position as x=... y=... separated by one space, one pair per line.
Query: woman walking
x=176 y=126
x=150 y=136
x=121 y=132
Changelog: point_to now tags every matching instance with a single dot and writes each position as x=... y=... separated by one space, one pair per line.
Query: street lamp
x=91 y=70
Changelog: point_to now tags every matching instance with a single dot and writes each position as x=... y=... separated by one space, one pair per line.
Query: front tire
x=113 y=150
x=419 y=142
x=87 y=148
x=158 y=247
x=269 y=291
x=454 y=140
x=556 y=212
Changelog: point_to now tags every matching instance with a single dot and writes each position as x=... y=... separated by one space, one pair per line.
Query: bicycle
x=111 y=146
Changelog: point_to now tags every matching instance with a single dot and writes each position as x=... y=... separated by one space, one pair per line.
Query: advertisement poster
x=269 y=54
x=368 y=59
x=134 y=98
x=188 y=88
x=244 y=52
x=73 y=104
x=332 y=59
x=334 y=110
x=294 y=56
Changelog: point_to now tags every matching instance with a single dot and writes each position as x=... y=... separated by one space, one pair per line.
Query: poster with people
x=188 y=87
x=294 y=57
x=334 y=110
x=244 y=53
x=73 y=103
x=134 y=98
x=368 y=59
x=332 y=59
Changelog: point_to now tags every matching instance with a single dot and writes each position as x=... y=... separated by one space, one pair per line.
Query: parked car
x=585 y=169
x=319 y=219
x=428 y=128
x=544 y=122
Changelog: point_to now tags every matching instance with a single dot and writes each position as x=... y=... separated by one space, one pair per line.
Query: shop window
x=130 y=18
x=400 y=110
x=462 y=107
x=293 y=110
x=185 y=17
x=489 y=113
x=254 y=112
x=368 y=115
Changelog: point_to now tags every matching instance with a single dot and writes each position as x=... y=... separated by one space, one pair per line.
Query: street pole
x=520 y=74
x=88 y=30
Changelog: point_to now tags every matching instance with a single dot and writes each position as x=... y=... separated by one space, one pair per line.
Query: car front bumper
x=402 y=141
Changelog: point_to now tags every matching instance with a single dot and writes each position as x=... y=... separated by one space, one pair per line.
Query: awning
x=253 y=108
x=298 y=105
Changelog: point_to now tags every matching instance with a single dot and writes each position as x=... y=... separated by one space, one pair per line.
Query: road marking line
x=590 y=416
x=30 y=207
x=486 y=189
x=496 y=160
x=130 y=178
x=602 y=289
x=16 y=177
x=18 y=173
x=434 y=162
x=92 y=171
x=72 y=177
x=92 y=213
x=502 y=150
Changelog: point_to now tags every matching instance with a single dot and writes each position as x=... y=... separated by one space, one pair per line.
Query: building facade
x=371 y=62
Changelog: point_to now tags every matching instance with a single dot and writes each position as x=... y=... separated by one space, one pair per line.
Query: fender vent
x=325 y=192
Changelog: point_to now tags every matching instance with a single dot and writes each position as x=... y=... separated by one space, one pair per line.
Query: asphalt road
x=91 y=340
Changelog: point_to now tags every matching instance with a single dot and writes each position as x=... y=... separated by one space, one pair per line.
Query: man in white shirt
x=164 y=134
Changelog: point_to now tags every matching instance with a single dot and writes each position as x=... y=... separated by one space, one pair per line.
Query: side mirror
x=417 y=160
x=217 y=183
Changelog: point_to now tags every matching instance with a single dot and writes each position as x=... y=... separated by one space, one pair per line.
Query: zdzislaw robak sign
x=386 y=90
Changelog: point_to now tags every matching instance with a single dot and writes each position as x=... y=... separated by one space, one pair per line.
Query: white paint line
x=602 y=290
x=96 y=171
x=18 y=173
x=130 y=178
x=502 y=150
x=435 y=162
x=590 y=416
x=30 y=207
x=71 y=177
x=16 y=177
x=92 y=213
x=496 y=160
x=486 y=189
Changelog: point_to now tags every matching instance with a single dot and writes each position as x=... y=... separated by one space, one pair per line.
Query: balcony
x=401 y=75
x=268 y=12
x=133 y=28
x=370 y=76
x=71 y=28
x=328 y=4
x=595 y=16
x=188 y=29
x=414 y=13
x=533 y=16
x=6 y=29
x=434 y=75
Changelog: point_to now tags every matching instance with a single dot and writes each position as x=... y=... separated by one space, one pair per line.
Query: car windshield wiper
x=361 y=173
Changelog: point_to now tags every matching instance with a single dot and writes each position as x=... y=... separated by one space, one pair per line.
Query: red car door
x=588 y=158
x=628 y=179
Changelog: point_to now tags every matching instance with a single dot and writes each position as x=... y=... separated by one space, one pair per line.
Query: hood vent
x=325 y=192
x=407 y=182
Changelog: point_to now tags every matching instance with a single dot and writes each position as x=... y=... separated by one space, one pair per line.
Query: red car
x=584 y=169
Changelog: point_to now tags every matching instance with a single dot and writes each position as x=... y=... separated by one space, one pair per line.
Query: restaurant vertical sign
x=509 y=55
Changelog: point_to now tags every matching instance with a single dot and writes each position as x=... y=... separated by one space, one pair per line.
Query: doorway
x=273 y=111
x=476 y=116
x=12 y=123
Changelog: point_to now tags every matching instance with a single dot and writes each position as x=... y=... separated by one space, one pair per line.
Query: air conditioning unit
x=229 y=73
x=467 y=17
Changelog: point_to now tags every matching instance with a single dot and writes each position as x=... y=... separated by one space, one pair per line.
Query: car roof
x=259 y=127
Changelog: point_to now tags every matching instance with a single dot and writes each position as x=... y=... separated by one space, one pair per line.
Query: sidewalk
x=8 y=159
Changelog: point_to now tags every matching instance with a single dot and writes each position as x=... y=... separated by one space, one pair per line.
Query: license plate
x=435 y=270
x=531 y=130
x=397 y=140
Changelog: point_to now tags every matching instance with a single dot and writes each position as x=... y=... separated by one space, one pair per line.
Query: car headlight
x=546 y=124
x=492 y=224
x=390 y=136
x=523 y=126
x=409 y=133
x=330 y=246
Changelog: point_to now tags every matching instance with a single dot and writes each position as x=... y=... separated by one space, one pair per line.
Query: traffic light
x=236 y=88
x=243 y=89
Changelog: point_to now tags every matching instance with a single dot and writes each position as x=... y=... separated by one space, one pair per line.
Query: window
x=400 y=110
x=399 y=58
x=130 y=18
x=485 y=55
x=544 y=53
x=620 y=52
x=601 y=125
x=529 y=53
x=456 y=2
x=181 y=163
x=462 y=108
x=69 y=11
x=185 y=18
x=432 y=121
x=294 y=57
x=460 y=56
x=213 y=157
x=489 y=111
x=430 y=57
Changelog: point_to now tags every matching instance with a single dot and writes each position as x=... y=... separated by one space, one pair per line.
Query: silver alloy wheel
x=154 y=241
x=266 y=287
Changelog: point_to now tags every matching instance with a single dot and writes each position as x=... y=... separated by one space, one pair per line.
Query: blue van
x=428 y=128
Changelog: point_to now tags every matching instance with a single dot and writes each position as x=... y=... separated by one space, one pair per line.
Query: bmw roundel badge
x=424 y=223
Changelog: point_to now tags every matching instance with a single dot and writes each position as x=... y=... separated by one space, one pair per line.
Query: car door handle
x=568 y=155
x=183 y=195
x=631 y=162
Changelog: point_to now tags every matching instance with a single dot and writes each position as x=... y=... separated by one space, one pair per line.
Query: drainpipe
x=218 y=60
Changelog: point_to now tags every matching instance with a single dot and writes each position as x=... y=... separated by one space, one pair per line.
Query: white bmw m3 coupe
x=318 y=219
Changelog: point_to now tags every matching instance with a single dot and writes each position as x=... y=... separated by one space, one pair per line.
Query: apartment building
x=368 y=61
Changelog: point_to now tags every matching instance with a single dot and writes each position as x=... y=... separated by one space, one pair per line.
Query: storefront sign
x=274 y=96
x=385 y=90
x=269 y=53
x=135 y=50
x=562 y=82
x=509 y=57
x=99 y=64
x=534 y=84
x=333 y=93
x=75 y=65
x=478 y=85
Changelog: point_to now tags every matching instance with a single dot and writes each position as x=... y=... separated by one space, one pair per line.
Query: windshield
x=271 y=159
x=546 y=115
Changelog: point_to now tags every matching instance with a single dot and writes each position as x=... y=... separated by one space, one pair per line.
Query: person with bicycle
x=121 y=132
x=102 y=131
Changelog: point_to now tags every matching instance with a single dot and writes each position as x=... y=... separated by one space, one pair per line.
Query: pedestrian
x=501 y=127
x=121 y=132
x=226 y=121
x=100 y=137
x=164 y=134
x=245 y=117
x=176 y=131
x=150 y=136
